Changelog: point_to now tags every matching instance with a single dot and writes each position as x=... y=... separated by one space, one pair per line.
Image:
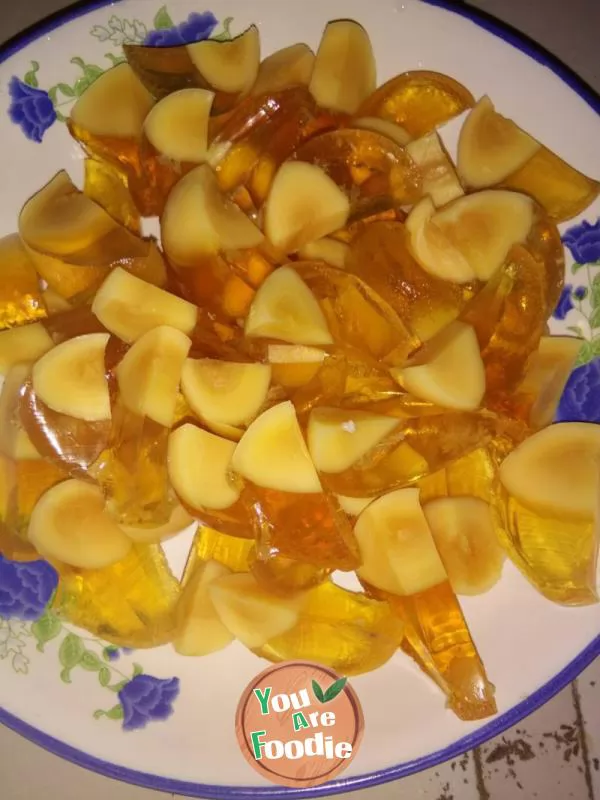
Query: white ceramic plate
x=54 y=678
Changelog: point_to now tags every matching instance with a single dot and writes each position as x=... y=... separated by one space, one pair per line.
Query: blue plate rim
x=542 y=695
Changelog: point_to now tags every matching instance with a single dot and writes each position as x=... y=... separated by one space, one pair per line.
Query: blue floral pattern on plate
x=145 y=699
x=25 y=588
x=196 y=28
x=31 y=109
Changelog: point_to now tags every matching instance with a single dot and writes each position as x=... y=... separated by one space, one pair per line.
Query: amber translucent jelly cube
x=130 y=603
x=23 y=483
x=377 y=174
x=107 y=185
x=380 y=255
x=232 y=552
x=437 y=631
x=281 y=575
x=472 y=475
x=72 y=444
x=418 y=100
x=20 y=294
x=310 y=528
x=344 y=630
x=14 y=548
x=557 y=555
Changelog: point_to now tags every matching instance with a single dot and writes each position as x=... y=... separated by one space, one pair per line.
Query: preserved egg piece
x=400 y=559
x=129 y=307
x=250 y=613
x=466 y=539
x=199 y=631
x=491 y=147
x=448 y=371
x=380 y=255
x=290 y=66
x=70 y=524
x=343 y=630
x=20 y=293
x=419 y=101
x=344 y=72
x=130 y=604
x=229 y=66
x=556 y=471
x=304 y=204
x=70 y=379
x=376 y=174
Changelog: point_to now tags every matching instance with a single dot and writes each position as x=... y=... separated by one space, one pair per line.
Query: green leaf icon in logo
x=331 y=693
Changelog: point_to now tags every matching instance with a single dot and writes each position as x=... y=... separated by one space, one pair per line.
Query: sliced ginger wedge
x=230 y=66
x=392 y=130
x=556 y=472
x=448 y=370
x=285 y=308
x=547 y=374
x=115 y=104
x=466 y=540
x=70 y=524
x=198 y=464
x=252 y=614
x=397 y=548
x=344 y=73
x=338 y=439
x=290 y=66
x=225 y=392
x=491 y=147
x=272 y=453
x=471 y=237
x=199 y=220
x=130 y=307
x=328 y=250
x=150 y=372
x=199 y=630
x=25 y=343
x=304 y=204
x=71 y=378
x=177 y=522
x=440 y=180
x=177 y=126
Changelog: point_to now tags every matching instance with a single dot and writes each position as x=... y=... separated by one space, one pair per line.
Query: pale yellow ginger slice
x=470 y=238
x=150 y=372
x=290 y=66
x=272 y=453
x=249 y=612
x=70 y=524
x=54 y=302
x=130 y=307
x=61 y=220
x=491 y=147
x=199 y=631
x=177 y=126
x=25 y=343
x=328 y=250
x=392 y=130
x=440 y=180
x=547 y=374
x=71 y=378
x=115 y=104
x=199 y=468
x=285 y=308
x=397 y=548
x=448 y=370
x=304 y=204
x=229 y=66
x=339 y=438
x=224 y=392
x=556 y=472
x=14 y=441
x=344 y=73
x=353 y=506
x=466 y=540
x=177 y=522
x=199 y=220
